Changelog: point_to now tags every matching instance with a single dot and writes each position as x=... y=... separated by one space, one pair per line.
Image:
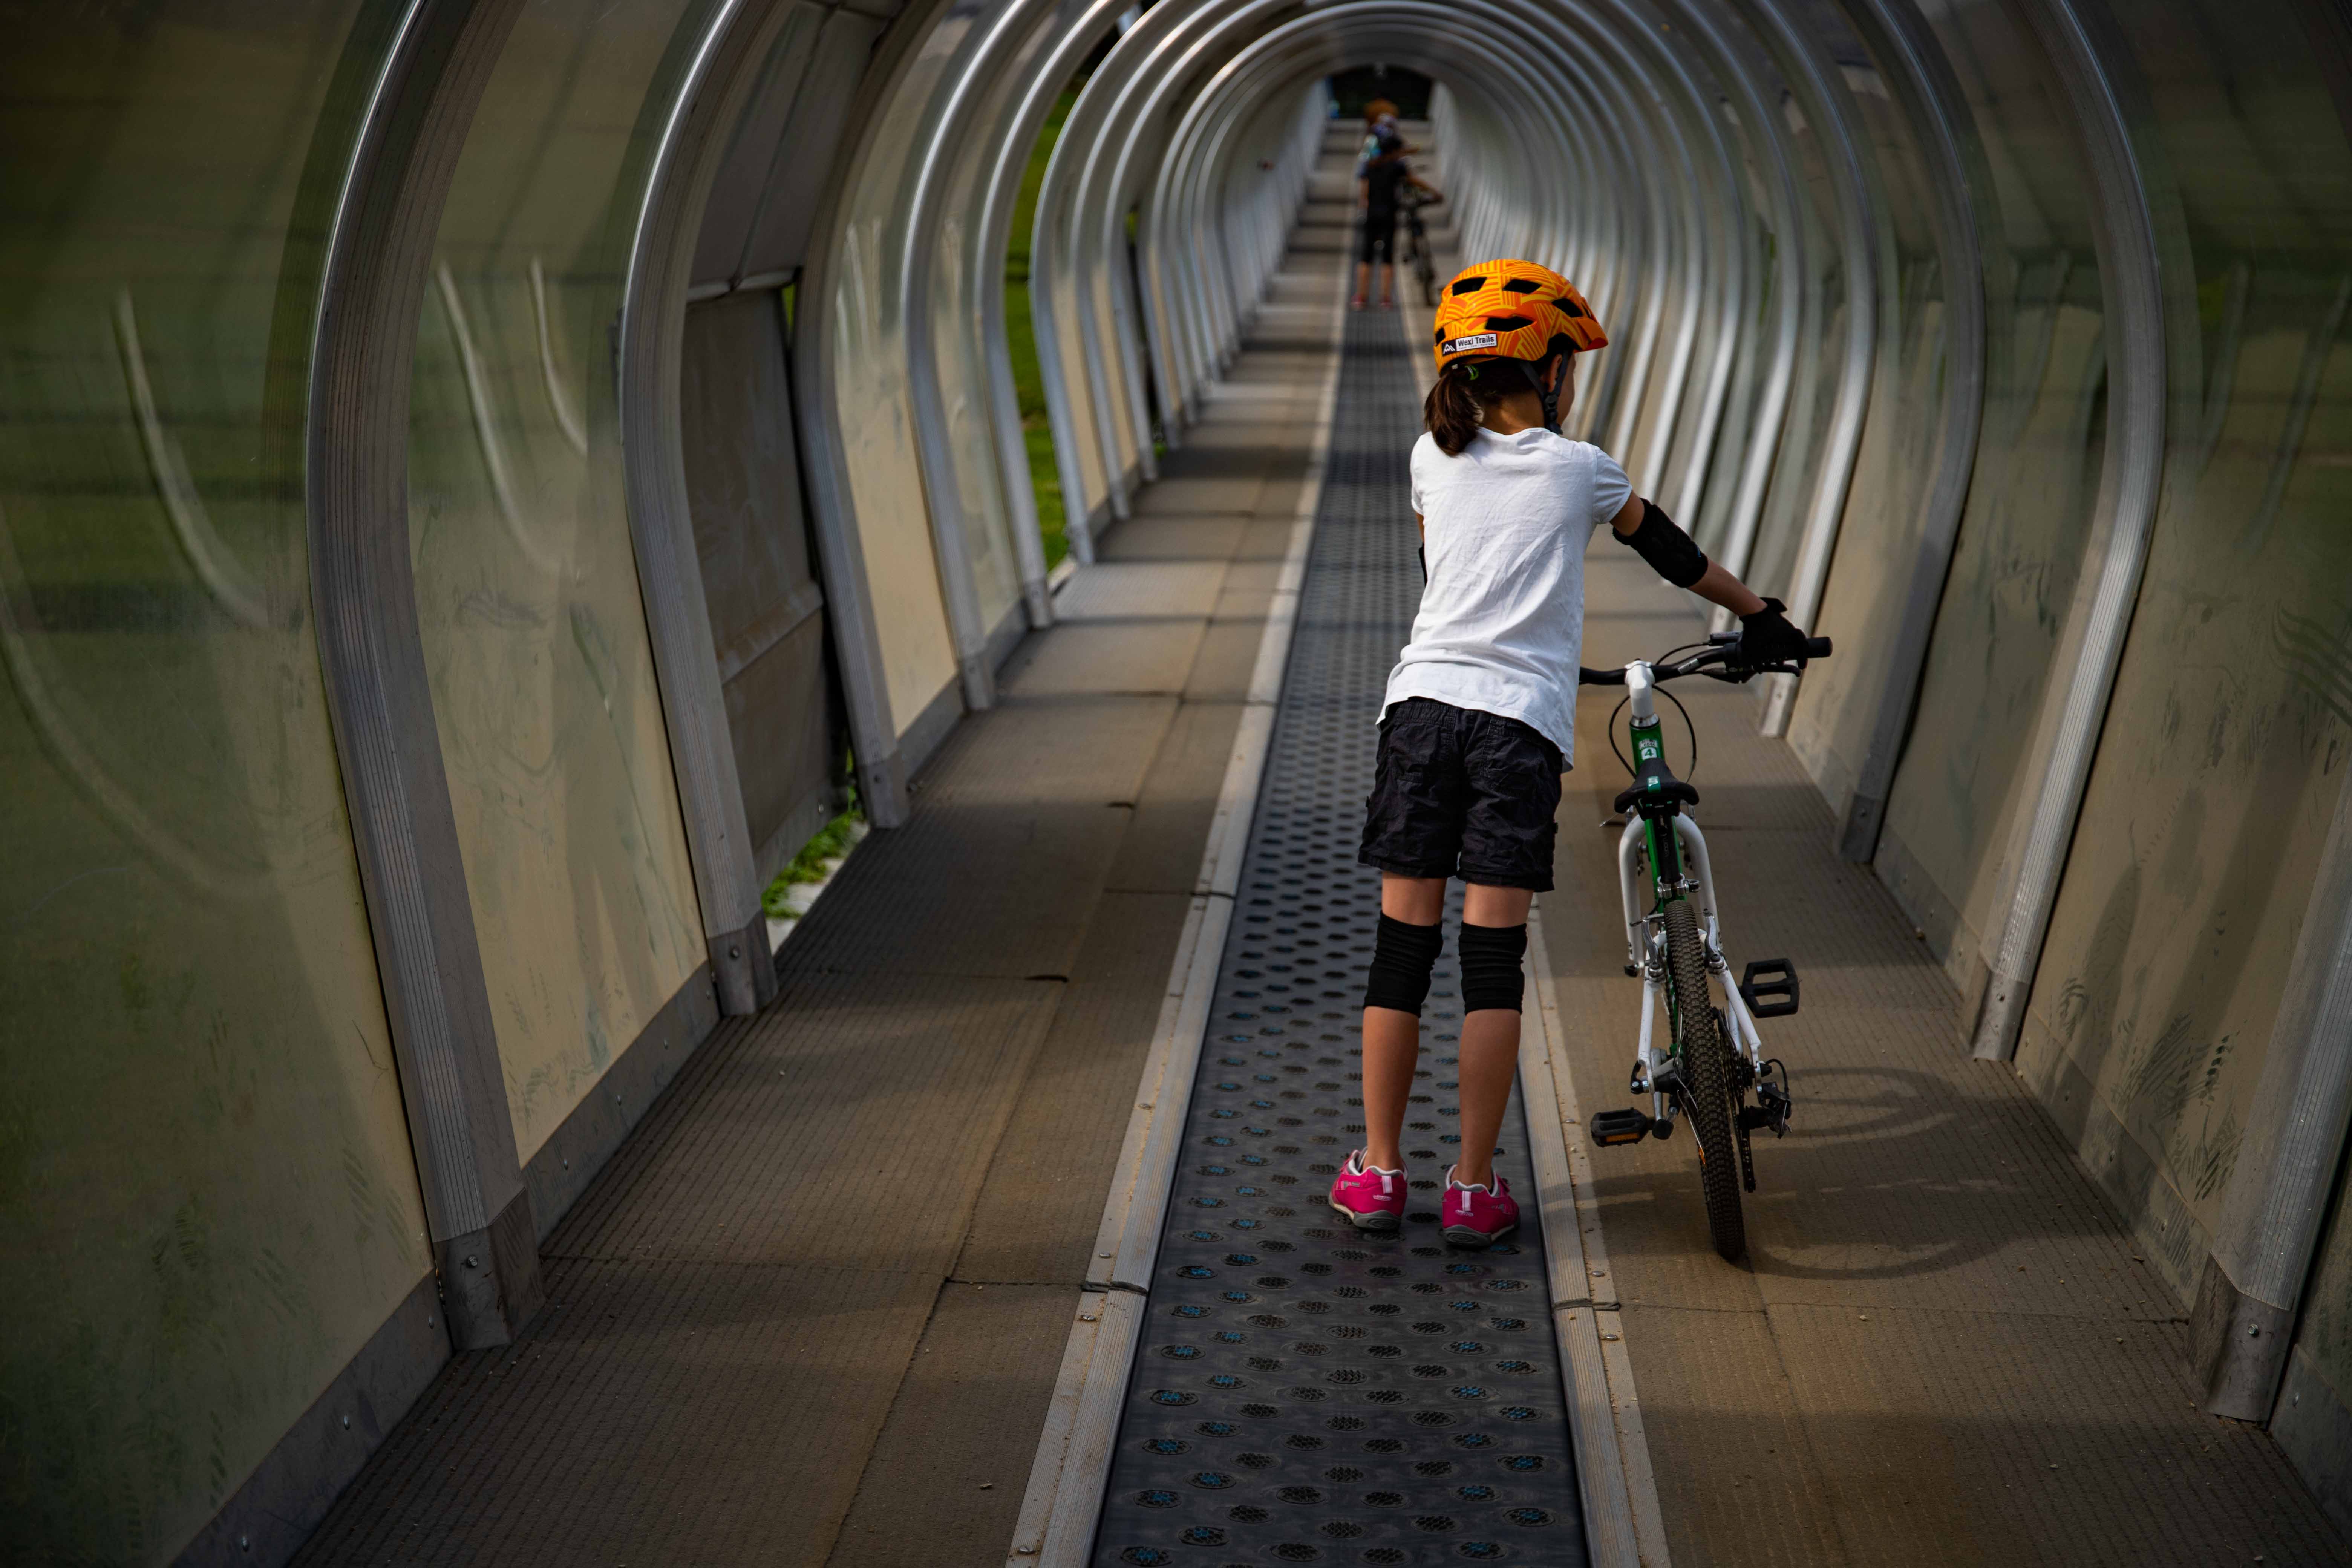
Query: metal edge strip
x=1624 y=1525
x=1064 y=1493
x=274 y=1511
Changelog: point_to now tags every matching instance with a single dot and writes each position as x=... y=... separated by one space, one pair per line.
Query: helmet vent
x=1521 y=286
x=1468 y=285
x=1506 y=323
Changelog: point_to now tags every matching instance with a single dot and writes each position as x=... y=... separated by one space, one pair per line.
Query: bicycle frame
x=1675 y=850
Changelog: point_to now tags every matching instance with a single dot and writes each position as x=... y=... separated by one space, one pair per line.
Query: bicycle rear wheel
x=1706 y=1074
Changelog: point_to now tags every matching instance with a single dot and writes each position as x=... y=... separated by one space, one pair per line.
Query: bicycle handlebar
x=1719 y=650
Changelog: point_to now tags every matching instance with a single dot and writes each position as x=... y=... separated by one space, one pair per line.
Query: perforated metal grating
x=1304 y=1392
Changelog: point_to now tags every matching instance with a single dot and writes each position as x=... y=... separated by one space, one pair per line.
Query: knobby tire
x=1706 y=1075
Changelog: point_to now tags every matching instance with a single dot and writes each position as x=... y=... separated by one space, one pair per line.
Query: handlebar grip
x=1817 y=647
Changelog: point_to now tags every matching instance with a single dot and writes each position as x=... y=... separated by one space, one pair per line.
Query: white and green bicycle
x=1713 y=1060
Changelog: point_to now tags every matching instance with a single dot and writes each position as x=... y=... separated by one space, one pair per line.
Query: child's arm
x=1766 y=635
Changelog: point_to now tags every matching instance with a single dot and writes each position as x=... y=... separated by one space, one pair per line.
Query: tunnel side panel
x=527 y=588
x=870 y=405
x=2021 y=541
x=205 y=1173
x=2220 y=762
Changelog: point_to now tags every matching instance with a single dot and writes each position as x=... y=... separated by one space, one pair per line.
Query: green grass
x=1036 y=429
x=808 y=866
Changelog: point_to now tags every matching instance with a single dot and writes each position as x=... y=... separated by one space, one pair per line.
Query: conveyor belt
x=1304 y=1392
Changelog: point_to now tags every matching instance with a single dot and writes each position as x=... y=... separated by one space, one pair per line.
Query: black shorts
x=1461 y=793
x=1380 y=235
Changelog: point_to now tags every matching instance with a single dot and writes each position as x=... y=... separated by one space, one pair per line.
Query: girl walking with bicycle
x=1478 y=722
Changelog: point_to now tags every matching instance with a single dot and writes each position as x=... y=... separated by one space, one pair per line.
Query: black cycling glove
x=1767 y=637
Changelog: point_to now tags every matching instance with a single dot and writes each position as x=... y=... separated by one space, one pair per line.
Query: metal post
x=2130 y=181
x=661 y=527
x=378 y=252
x=1864 y=249
x=2242 y=1327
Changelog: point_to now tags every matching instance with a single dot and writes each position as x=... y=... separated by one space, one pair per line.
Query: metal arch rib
x=1863 y=245
x=711 y=89
x=435 y=61
x=1764 y=131
x=2127 y=170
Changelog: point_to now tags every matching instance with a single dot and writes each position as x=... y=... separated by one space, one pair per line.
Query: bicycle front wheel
x=1706 y=1075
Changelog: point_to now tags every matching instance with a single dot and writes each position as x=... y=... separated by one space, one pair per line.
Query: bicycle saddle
x=1654 y=785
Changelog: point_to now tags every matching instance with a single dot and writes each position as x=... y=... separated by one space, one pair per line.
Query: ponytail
x=1450 y=413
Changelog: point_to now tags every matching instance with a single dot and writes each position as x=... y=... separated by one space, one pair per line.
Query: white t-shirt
x=1502 y=620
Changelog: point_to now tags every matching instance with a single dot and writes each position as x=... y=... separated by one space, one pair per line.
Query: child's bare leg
x=1490 y=1045
x=1392 y=1035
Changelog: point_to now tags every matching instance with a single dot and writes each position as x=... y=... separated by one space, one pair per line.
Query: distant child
x=1382 y=173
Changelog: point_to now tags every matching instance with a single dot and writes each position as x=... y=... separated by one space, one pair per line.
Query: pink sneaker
x=1371 y=1198
x=1479 y=1217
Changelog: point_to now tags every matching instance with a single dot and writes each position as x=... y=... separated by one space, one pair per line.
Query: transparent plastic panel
x=205 y=1179
x=1910 y=404
x=1821 y=352
x=2030 y=499
x=961 y=358
x=2228 y=735
x=1062 y=299
x=1756 y=326
x=875 y=416
x=526 y=581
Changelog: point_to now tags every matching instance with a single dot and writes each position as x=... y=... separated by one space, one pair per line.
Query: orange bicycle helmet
x=1517 y=312
x=1512 y=309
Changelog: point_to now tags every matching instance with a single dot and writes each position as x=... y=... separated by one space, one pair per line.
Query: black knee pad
x=1402 y=956
x=1491 y=975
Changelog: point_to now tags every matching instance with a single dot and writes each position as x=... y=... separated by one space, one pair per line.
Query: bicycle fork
x=1654 y=1069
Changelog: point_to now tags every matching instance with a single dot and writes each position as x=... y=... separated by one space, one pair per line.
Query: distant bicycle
x=1417 y=254
x=1714 y=1058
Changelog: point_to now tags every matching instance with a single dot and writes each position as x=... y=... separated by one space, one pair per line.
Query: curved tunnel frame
x=1622 y=101
x=1174 y=120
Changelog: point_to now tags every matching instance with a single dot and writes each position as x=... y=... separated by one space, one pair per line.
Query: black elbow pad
x=1670 y=552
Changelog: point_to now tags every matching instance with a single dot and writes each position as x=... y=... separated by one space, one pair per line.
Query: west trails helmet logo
x=1465 y=345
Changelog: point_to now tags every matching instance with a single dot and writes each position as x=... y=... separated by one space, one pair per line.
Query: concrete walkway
x=1942 y=1348
x=813 y=1311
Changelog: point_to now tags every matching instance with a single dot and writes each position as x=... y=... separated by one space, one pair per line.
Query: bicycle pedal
x=1611 y=1128
x=1768 y=986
